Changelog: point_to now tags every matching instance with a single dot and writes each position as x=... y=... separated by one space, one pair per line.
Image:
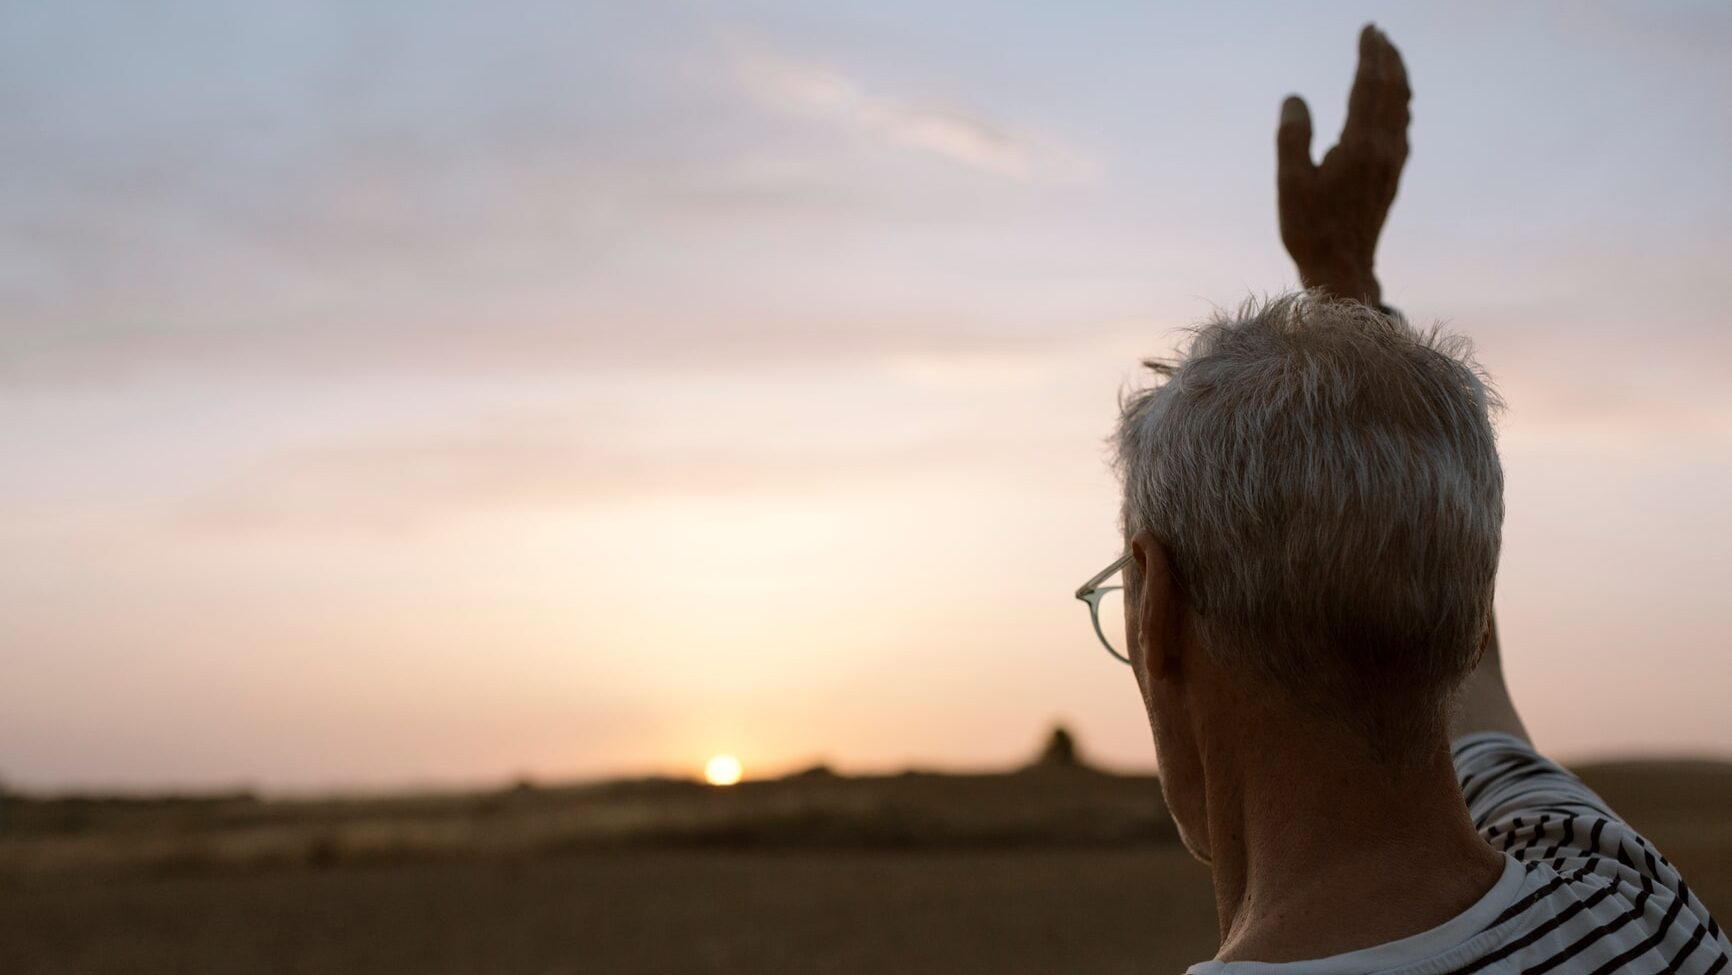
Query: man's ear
x=1159 y=607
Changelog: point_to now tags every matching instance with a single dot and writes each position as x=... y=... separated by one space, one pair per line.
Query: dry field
x=1047 y=870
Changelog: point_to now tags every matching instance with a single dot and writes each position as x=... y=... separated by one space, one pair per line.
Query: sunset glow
x=722 y=770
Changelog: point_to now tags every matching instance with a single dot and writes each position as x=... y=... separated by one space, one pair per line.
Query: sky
x=433 y=393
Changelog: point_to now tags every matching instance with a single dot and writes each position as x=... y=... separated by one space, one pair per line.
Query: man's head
x=1314 y=503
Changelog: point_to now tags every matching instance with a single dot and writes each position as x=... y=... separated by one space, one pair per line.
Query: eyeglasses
x=1107 y=607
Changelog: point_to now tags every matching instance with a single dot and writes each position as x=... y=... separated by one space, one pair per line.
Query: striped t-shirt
x=1581 y=892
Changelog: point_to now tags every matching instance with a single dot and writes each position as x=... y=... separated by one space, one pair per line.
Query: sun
x=722 y=770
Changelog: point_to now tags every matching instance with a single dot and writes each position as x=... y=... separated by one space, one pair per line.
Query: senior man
x=1313 y=507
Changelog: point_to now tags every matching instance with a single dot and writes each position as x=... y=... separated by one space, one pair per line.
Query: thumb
x=1293 y=141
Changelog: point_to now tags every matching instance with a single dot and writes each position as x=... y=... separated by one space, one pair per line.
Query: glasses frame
x=1092 y=591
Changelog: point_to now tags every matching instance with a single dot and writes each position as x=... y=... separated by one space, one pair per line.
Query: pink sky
x=440 y=397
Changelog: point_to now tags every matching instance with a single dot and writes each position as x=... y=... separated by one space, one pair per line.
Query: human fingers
x=1363 y=98
x=1293 y=143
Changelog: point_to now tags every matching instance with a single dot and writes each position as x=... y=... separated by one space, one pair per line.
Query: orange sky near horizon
x=420 y=395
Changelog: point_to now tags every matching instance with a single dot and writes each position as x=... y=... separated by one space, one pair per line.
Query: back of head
x=1326 y=483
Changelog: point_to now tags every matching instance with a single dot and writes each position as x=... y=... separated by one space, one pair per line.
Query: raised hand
x=1332 y=213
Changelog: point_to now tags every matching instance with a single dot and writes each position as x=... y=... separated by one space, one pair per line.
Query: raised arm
x=1331 y=215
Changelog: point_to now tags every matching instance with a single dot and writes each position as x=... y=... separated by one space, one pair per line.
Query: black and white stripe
x=1603 y=901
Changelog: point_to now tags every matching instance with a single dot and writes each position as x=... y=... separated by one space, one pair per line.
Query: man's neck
x=1316 y=850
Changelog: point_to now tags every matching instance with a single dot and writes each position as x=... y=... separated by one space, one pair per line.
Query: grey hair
x=1325 y=481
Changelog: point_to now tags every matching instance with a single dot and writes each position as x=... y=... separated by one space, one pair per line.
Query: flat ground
x=904 y=874
x=650 y=911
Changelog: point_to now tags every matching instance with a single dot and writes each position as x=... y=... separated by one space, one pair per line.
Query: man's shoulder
x=1594 y=914
x=1596 y=888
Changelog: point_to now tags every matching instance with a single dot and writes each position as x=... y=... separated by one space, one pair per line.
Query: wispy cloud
x=962 y=137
